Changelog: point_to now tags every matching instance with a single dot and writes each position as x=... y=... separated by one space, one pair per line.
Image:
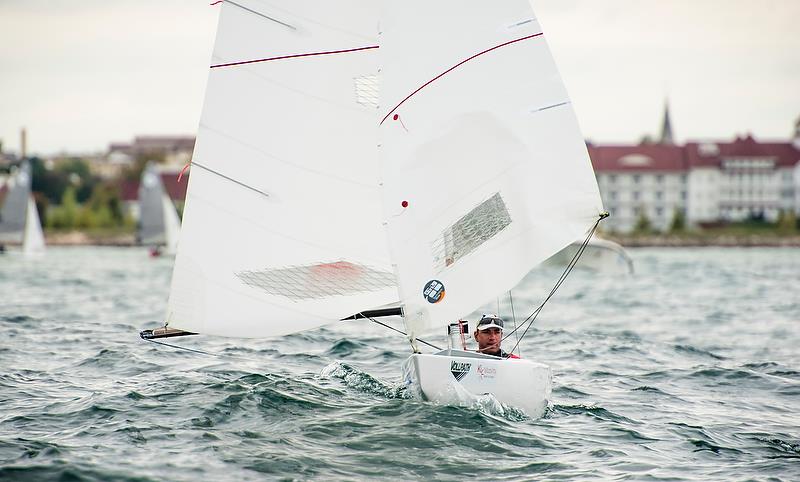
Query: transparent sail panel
x=473 y=229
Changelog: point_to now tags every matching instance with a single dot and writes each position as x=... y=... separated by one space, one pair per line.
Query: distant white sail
x=172 y=225
x=480 y=143
x=33 y=240
x=282 y=228
x=152 y=210
x=13 y=212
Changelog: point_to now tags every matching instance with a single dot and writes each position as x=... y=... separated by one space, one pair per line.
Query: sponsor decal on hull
x=459 y=369
x=486 y=372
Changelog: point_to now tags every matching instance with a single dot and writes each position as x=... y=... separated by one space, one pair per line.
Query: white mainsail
x=282 y=228
x=33 y=240
x=485 y=171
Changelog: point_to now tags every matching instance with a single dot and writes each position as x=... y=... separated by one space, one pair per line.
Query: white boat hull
x=459 y=378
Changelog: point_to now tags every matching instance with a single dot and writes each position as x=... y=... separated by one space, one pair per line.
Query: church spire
x=666 y=126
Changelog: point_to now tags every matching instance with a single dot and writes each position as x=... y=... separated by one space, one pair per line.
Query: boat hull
x=454 y=377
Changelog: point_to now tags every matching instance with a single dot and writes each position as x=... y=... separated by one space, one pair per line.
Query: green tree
x=787 y=221
x=643 y=225
x=65 y=216
x=678 y=223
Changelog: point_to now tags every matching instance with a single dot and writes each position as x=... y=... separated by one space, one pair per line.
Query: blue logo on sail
x=434 y=291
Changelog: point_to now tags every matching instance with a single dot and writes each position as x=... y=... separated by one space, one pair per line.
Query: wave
x=364 y=382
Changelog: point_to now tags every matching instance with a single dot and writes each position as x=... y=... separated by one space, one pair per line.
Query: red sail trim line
x=180 y=175
x=294 y=56
x=456 y=66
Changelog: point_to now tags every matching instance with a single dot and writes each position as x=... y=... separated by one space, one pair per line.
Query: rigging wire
x=182 y=348
x=399 y=331
x=514 y=318
x=532 y=317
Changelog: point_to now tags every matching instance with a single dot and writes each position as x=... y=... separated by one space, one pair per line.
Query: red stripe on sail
x=459 y=65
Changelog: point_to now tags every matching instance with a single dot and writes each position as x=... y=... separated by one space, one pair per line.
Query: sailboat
x=19 y=218
x=159 y=224
x=373 y=153
x=600 y=255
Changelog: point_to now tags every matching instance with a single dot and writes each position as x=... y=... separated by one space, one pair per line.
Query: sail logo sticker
x=459 y=369
x=434 y=291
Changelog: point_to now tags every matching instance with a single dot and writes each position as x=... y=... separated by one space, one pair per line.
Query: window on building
x=683 y=195
x=637 y=178
x=660 y=178
x=612 y=178
x=635 y=195
x=659 y=195
x=659 y=212
x=613 y=194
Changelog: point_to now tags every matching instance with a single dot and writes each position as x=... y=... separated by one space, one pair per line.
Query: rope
x=399 y=331
x=532 y=317
x=183 y=348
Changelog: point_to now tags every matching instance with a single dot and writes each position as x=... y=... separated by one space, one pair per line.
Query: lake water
x=687 y=370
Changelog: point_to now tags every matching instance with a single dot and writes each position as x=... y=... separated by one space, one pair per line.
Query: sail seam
x=295 y=56
x=261 y=14
x=456 y=66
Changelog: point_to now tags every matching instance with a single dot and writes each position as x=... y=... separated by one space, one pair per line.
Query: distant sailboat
x=19 y=218
x=159 y=224
x=435 y=162
x=601 y=255
x=33 y=239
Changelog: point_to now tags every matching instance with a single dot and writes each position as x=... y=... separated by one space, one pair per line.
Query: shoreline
x=699 y=241
x=82 y=238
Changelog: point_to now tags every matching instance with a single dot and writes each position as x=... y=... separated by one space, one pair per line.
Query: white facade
x=626 y=195
x=704 y=195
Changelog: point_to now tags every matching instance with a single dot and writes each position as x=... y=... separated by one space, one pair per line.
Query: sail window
x=473 y=229
x=318 y=280
x=367 y=90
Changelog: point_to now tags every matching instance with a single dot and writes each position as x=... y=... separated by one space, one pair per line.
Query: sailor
x=489 y=335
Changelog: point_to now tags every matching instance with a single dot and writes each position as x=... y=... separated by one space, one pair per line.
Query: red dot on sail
x=404 y=204
x=396 y=117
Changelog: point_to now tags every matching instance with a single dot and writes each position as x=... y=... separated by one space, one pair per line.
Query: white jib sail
x=33 y=241
x=480 y=142
x=282 y=228
x=172 y=225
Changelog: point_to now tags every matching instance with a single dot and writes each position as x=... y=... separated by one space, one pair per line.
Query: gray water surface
x=687 y=370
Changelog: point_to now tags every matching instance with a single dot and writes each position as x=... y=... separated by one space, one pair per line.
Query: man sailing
x=489 y=335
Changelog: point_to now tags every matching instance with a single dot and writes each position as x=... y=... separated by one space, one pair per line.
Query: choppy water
x=690 y=369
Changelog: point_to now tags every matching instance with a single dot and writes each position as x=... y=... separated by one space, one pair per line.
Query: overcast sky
x=82 y=74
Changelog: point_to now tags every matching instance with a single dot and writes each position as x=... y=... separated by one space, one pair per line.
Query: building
x=175 y=150
x=704 y=182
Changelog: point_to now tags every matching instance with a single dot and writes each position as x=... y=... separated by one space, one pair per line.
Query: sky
x=79 y=75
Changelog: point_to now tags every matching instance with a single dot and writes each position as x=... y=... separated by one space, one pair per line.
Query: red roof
x=650 y=157
x=712 y=153
x=664 y=157
x=129 y=190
